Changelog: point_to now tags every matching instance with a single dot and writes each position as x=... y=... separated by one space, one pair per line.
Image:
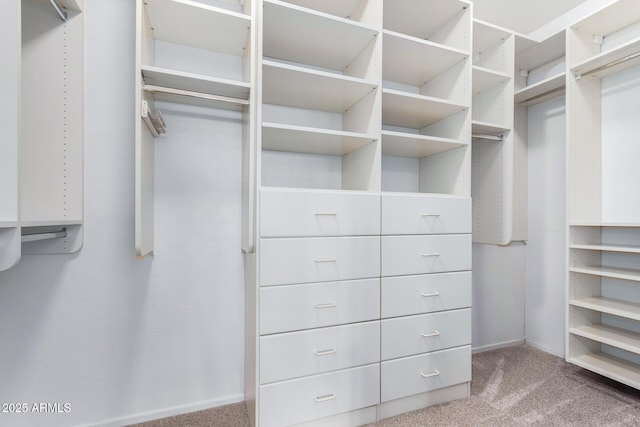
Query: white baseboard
x=167 y=412
x=503 y=344
x=545 y=349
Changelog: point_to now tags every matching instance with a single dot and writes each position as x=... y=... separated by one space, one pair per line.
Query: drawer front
x=296 y=307
x=298 y=354
x=404 y=255
x=406 y=295
x=294 y=213
x=425 y=214
x=297 y=401
x=318 y=259
x=407 y=336
x=419 y=374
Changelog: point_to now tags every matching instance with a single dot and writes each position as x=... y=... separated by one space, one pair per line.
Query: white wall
x=545 y=254
x=112 y=335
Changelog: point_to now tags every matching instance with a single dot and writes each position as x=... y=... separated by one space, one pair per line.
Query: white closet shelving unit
x=603 y=314
x=41 y=158
x=183 y=53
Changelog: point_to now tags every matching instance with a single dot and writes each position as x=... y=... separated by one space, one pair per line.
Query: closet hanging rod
x=61 y=13
x=609 y=65
x=488 y=137
x=44 y=236
x=542 y=95
x=181 y=92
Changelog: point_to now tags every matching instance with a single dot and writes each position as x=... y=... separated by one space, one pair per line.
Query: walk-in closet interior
x=320 y=208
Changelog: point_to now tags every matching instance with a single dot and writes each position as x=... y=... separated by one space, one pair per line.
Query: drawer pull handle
x=430 y=214
x=432 y=294
x=326 y=213
x=431 y=254
x=324 y=352
x=435 y=373
x=324 y=260
x=432 y=334
x=327 y=305
x=325 y=397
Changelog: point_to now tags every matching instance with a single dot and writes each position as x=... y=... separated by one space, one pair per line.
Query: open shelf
x=609 y=366
x=487 y=128
x=301 y=35
x=608 y=248
x=341 y=8
x=627 y=310
x=306 y=88
x=400 y=144
x=604 y=224
x=413 y=61
x=484 y=78
x=532 y=56
x=618 y=15
x=50 y=223
x=597 y=66
x=198 y=25
x=610 y=335
x=66 y=4
x=541 y=91
x=278 y=137
x=486 y=35
x=612 y=272
x=415 y=111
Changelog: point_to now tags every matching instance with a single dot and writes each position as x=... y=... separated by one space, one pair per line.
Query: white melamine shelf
x=612 y=272
x=195 y=82
x=425 y=18
x=537 y=54
x=615 y=307
x=541 y=91
x=415 y=111
x=608 y=248
x=280 y=137
x=487 y=128
x=9 y=224
x=413 y=61
x=616 y=337
x=342 y=8
x=609 y=366
x=486 y=35
x=484 y=78
x=50 y=223
x=618 y=15
x=297 y=34
x=302 y=87
x=523 y=43
x=605 y=224
x=415 y=146
x=66 y=4
x=198 y=25
x=598 y=62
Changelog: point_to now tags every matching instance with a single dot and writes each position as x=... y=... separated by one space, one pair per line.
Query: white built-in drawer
x=425 y=214
x=298 y=354
x=426 y=372
x=406 y=295
x=406 y=336
x=314 y=305
x=318 y=259
x=404 y=255
x=293 y=213
x=297 y=401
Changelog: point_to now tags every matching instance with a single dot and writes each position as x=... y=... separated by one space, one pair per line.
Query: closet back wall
x=120 y=339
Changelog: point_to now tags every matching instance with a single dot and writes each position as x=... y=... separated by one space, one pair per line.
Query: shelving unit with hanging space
x=425 y=97
x=494 y=164
x=190 y=53
x=603 y=325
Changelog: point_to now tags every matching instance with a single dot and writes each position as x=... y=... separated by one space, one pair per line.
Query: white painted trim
x=168 y=412
x=496 y=346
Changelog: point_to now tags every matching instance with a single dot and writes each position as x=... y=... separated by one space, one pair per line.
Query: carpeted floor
x=513 y=386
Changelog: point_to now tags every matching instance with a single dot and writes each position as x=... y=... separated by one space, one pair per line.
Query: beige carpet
x=514 y=386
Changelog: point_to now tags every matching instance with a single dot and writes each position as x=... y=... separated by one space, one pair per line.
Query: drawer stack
x=319 y=304
x=425 y=294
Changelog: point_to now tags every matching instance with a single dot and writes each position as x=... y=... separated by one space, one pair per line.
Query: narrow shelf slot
x=609 y=62
x=541 y=91
x=609 y=366
x=400 y=144
x=609 y=335
x=627 y=310
x=612 y=272
x=415 y=111
x=484 y=78
x=607 y=248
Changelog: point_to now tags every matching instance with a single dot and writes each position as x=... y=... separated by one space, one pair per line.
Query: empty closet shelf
x=612 y=272
x=157 y=76
x=194 y=98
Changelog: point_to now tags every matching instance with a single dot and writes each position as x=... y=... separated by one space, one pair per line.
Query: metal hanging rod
x=487 y=137
x=211 y=97
x=609 y=65
x=34 y=237
x=61 y=13
x=542 y=95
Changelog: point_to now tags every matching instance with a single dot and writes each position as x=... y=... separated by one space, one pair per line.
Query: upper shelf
x=611 y=61
x=541 y=91
x=541 y=53
x=413 y=61
x=486 y=35
x=415 y=111
x=76 y=5
x=297 y=34
x=426 y=17
x=487 y=128
x=483 y=79
x=415 y=146
x=301 y=87
x=341 y=8
x=197 y=25
x=618 y=15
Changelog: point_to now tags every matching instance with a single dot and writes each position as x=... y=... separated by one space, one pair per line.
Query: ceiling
x=522 y=16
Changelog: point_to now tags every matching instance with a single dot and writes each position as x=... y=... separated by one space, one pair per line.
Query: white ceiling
x=522 y=16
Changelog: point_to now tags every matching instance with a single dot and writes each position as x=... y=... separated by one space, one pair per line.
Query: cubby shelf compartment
x=609 y=366
x=305 y=36
x=541 y=91
x=609 y=62
x=198 y=25
x=484 y=78
x=278 y=137
x=611 y=272
x=627 y=310
x=607 y=248
x=302 y=87
x=195 y=82
x=415 y=111
x=400 y=144
x=609 y=335
x=486 y=35
x=414 y=61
